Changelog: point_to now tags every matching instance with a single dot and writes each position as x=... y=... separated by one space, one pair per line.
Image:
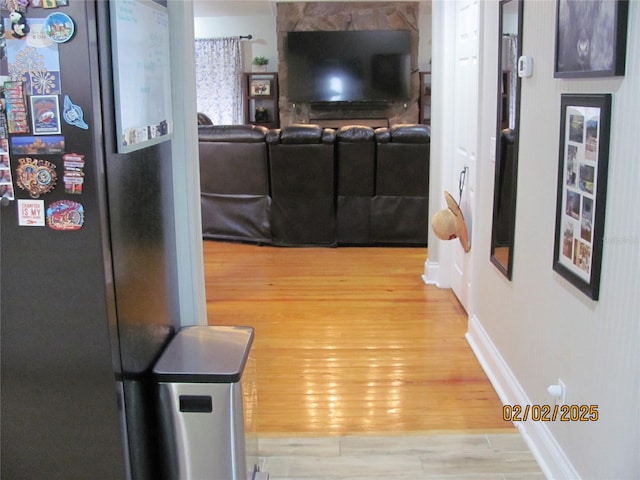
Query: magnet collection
x=33 y=107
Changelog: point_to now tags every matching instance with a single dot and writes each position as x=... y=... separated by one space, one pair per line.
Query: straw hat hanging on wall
x=449 y=223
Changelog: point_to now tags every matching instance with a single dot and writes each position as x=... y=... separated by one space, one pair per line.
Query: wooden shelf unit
x=261 y=95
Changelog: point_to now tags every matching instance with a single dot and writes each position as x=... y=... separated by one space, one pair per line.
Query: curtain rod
x=239 y=37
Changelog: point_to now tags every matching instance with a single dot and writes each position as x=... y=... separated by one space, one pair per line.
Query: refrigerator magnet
x=73 y=182
x=19 y=27
x=59 y=27
x=73 y=173
x=15 y=107
x=65 y=215
x=45 y=114
x=31 y=213
x=73 y=114
x=6 y=180
x=18 y=5
x=37 y=177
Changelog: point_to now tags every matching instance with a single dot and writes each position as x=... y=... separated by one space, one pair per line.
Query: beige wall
x=537 y=328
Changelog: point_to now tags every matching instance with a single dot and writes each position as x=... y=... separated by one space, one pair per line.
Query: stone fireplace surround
x=341 y=16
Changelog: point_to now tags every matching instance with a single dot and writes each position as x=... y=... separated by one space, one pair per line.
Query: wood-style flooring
x=350 y=342
x=500 y=456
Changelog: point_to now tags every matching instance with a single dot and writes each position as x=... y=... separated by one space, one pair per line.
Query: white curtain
x=219 y=79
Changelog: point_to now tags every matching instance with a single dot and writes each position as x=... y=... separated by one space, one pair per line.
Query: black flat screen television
x=349 y=66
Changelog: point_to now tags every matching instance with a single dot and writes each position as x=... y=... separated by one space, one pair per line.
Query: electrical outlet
x=562 y=399
x=559 y=392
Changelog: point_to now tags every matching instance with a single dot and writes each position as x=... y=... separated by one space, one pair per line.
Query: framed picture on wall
x=260 y=87
x=591 y=38
x=585 y=122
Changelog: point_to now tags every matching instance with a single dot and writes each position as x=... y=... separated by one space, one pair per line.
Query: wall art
x=260 y=87
x=591 y=38
x=582 y=187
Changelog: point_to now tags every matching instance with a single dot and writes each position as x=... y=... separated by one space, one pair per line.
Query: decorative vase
x=261 y=115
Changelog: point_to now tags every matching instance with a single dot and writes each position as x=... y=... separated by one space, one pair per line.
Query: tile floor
x=497 y=456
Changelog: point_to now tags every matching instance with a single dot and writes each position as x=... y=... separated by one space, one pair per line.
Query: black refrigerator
x=88 y=285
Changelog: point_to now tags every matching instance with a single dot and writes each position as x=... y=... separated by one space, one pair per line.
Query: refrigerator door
x=84 y=311
x=59 y=405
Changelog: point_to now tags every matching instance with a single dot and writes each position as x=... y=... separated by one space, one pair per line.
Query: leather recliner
x=301 y=159
x=400 y=206
x=355 y=163
x=234 y=183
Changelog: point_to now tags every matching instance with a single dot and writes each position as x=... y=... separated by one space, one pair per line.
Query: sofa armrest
x=232 y=133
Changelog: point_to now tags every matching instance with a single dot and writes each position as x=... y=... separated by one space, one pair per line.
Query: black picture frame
x=585 y=123
x=591 y=38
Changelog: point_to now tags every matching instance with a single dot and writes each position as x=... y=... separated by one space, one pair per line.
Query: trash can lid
x=204 y=354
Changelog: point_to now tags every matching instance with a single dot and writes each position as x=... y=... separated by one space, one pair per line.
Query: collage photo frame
x=585 y=124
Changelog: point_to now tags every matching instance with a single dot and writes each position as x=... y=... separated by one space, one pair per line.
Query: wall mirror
x=506 y=165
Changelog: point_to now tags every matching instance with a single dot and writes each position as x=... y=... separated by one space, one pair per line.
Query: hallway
x=357 y=360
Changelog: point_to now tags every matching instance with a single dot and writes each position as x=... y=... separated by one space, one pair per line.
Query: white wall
x=264 y=42
x=537 y=328
x=262 y=28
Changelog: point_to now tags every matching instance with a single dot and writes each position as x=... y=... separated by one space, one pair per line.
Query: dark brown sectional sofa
x=304 y=185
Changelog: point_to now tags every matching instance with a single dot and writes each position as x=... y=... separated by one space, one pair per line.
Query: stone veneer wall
x=340 y=16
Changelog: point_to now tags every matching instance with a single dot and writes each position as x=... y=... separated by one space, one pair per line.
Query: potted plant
x=260 y=63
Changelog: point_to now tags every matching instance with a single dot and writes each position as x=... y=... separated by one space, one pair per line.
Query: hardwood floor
x=350 y=341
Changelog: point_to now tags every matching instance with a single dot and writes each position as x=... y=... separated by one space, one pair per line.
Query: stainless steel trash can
x=206 y=405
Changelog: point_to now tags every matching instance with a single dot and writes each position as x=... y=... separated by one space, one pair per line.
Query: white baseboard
x=548 y=453
x=431 y=275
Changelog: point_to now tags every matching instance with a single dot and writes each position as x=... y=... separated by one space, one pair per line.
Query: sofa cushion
x=355 y=134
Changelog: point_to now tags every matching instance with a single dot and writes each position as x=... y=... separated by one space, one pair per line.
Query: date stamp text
x=550 y=413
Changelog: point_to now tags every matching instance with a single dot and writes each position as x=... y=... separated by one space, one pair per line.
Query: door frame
x=439 y=265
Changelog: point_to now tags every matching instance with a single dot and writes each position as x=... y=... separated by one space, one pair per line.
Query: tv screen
x=349 y=66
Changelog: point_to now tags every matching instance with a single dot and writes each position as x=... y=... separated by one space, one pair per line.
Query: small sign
x=31 y=213
x=73 y=173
